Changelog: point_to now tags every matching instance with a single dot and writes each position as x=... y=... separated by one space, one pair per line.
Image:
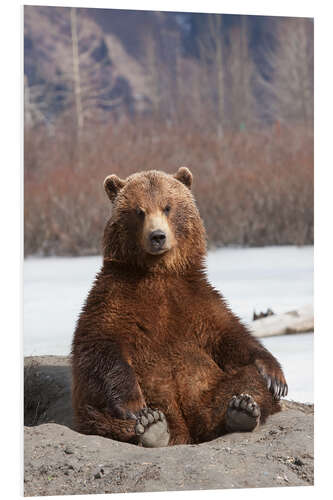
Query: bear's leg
x=108 y=400
x=147 y=427
x=208 y=402
x=179 y=431
x=238 y=402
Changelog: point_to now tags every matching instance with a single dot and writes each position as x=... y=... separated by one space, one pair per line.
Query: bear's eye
x=167 y=210
x=140 y=212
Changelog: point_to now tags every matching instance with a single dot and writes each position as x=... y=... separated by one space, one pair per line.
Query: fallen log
x=296 y=321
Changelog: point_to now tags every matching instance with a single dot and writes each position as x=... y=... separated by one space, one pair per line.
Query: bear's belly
x=168 y=373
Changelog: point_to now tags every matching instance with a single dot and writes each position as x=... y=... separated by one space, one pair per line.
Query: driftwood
x=262 y=314
x=297 y=321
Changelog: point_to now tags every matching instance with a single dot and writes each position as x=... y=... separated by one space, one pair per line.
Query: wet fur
x=153 y=331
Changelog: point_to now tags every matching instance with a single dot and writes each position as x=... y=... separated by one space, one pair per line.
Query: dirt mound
x=61 y=461
x=47 y=390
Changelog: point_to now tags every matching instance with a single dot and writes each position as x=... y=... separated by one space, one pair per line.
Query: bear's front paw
x=273 y=375
x=152 y=428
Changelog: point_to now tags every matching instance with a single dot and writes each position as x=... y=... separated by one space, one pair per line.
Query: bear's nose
x=157 y=238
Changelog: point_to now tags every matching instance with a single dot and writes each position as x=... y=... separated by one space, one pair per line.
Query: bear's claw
x=276 y=383
x=277 y=388
x=243 y=414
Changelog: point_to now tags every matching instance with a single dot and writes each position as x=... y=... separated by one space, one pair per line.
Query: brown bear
x=158 y=357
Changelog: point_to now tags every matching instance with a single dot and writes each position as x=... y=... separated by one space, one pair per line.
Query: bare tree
x=81 y=81
x=76 y=70
x=292 y=79
x=153 y=71
x=92 y=78
x=34 y=105
x=242 y=73
x=85 y=81
x=211 y=47
x=163 y=71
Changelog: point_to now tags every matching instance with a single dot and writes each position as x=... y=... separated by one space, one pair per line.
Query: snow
x=54 y=291
x=295 y=353
x=257 y=278
x=250 y=278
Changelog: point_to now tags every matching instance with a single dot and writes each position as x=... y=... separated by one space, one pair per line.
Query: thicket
x=251 y=188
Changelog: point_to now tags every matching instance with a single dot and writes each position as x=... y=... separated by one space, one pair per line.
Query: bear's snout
x=157 y=240
x=157 y=235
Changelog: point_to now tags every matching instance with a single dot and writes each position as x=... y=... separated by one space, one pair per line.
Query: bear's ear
x=184 y=175
x=113 y=185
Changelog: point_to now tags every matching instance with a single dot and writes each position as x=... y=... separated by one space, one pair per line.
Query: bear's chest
x=168 y=314
x=160 y=317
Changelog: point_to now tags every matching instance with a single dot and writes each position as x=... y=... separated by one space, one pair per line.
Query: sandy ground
x=60 y=461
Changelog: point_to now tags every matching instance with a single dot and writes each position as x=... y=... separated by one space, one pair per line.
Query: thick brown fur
x=153 y=332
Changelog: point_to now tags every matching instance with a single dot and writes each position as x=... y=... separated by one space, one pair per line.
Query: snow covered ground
x=295 y=353
x=257 y=278
x=251 y=278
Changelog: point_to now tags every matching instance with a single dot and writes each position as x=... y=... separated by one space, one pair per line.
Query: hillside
x=48 y=56
x=133 y=45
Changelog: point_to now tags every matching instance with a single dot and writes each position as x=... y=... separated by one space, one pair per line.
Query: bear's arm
x=105 y=373
x=234 y=346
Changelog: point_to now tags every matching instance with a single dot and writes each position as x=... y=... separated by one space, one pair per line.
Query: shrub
x=252 y=187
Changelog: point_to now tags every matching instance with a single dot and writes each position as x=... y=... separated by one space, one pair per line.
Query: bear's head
x=155 y=222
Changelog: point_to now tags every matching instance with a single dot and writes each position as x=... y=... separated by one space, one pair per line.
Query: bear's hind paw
x=152 y=428
x=243 y=414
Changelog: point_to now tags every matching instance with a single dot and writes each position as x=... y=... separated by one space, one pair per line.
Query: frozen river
x=253 y=278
